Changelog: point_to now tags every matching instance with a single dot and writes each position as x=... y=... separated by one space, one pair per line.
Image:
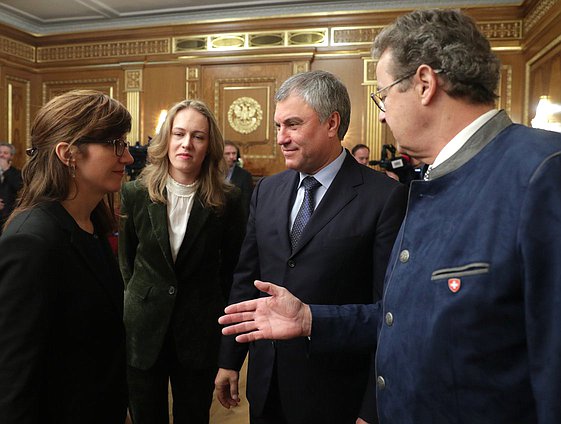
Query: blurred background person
x=10 y=182
x=62 y=340
x=181 y=232
x=237 y=175
x=361 y=152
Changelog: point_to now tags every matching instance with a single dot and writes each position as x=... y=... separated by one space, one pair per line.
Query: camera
x=399 y=165
x=393 y=163
x=139 y=154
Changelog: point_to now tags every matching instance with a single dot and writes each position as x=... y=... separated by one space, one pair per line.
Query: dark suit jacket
x=9 y=188
x=185 y=297
x=62 y=341
x=244 y=181
x=341 y=258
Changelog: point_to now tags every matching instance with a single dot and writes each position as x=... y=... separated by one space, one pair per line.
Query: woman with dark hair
x=181 y=231
x=62 y=345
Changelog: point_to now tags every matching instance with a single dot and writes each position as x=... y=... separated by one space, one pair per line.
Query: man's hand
x=226 y=385
x=1 y=204
x=280 y=316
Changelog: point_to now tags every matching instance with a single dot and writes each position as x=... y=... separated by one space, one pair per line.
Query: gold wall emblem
x=245 y=115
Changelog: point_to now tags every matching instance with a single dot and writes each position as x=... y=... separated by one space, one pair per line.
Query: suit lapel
x=285 y=193
x=159 y=221
x=340 y=193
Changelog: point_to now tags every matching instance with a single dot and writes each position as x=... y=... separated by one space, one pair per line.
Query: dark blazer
x=242 y=179
x=10 y=184
x=62 y=341
x=185 y=297
x=341 y=258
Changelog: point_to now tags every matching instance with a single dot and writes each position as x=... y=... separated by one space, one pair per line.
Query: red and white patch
x=454 y=284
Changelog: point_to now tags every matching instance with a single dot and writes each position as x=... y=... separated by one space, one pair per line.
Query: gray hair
x=323 y=92
x=11 y=146
x=443 y=39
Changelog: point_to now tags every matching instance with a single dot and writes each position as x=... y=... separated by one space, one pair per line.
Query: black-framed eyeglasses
x=119 y=145
x=380 y=100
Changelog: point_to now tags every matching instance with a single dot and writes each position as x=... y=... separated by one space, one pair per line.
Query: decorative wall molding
x=505 y=88
x=243 y=41
x=537 y=13
x=133 y=88
x=192 y=82
x=502 y=30
x=108 y=50
x=251 y=40
x=360 y=35
x=300 y=66
x=109 y=86
x=17 y=49
x=253 y=121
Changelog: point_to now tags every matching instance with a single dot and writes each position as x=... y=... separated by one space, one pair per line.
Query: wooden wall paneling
x=543 y=78
x=108 y=82
x=18 y=115
x=163 y=86
x=350 y=71
x=242 y=97
x=542 y=53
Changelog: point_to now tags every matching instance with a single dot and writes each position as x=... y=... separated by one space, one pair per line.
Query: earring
x=72 y=168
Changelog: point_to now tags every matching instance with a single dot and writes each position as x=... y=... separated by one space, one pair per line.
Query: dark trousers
x=272 y=412
x=191 y=390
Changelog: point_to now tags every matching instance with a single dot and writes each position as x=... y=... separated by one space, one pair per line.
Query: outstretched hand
x=279 y=316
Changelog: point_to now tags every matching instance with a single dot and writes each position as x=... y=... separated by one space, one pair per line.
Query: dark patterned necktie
x=306 y=209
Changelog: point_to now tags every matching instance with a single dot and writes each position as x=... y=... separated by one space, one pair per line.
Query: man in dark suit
x=338 y=257
x=237 y=175
x=10 y=182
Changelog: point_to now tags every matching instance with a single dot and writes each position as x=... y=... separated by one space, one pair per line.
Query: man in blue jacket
x=469 y=327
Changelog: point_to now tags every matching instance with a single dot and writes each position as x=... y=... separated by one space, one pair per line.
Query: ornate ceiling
x=45 y=17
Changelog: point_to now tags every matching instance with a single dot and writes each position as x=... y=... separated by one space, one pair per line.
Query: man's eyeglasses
x=119 y=145
x=379 y=100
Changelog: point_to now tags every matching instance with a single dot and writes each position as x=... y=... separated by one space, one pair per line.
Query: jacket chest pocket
x=474 y=268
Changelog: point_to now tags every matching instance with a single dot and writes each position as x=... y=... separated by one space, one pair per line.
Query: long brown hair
x=70 y=117
x=212 y=184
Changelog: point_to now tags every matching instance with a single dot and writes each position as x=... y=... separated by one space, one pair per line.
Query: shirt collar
x=326 y=175
x=462 y=137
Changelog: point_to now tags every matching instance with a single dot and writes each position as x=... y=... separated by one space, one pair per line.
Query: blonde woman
x=181 y=232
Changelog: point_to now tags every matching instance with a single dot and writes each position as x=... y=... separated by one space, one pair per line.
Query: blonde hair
x=71 y=117
x=212 y=184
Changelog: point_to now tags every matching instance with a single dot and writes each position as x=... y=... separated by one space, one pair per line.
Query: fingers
x=250 y=337
x=268 y=288
x=247 y=306
x=226 y=385
x=242 y=327
x=234 y=318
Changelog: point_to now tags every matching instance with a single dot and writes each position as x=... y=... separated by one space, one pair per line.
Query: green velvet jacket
x=185 y=297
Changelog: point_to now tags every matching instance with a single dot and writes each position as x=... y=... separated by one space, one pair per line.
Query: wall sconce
x=161 y=119
x=548 y=115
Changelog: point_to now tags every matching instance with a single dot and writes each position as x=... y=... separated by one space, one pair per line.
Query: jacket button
x=380 y=382
x=404 y=256
x=389 y=319
x=291 y=263
x=171 y=290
